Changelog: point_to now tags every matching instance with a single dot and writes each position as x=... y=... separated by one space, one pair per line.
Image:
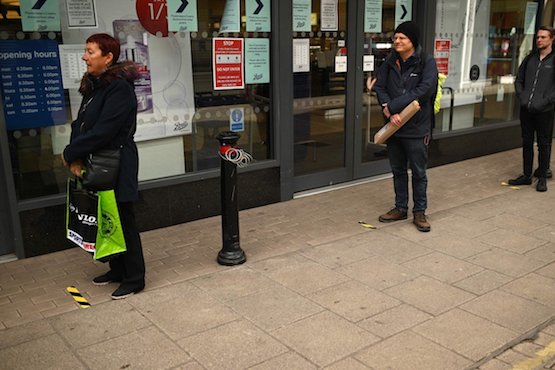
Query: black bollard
x=231 y=253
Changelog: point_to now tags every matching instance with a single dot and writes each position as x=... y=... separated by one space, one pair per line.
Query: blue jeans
x=403 y=153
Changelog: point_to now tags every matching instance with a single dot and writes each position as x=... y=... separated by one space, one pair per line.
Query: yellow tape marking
x=368 y=226
x=504 y=184
x=541 y=358
x=515 y=188
x=82 y=301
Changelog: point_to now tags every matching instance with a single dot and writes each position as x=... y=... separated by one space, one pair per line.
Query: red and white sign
x=153 y=15
x=228 y=63
x=442 y=51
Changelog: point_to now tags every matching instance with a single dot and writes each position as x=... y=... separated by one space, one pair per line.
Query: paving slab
x=394 y=320
x=353 y=300
x=50 y=352
x=534 y=287
x=325 y=338
x=378 y=273
x=135 y=351
x=410 y=351
x=429 y=295
x=443 y=267
x=97 y=324
x=289 y=360
x=25 y=333
x=505 y=262
x=273 y=308
x=508 y=310
x=454 y=328
x=240 y=345
x=182 y=310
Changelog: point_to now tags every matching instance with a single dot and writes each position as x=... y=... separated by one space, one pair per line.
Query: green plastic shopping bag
x=109 y=238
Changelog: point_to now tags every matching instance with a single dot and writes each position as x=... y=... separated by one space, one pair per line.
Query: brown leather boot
x=395 y=214
x=420 y=221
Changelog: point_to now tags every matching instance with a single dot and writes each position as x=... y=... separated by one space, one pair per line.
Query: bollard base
x=232 y=258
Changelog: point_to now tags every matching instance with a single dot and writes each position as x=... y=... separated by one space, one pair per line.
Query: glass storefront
x=181 y=110
x=221 y=65
x=479 y=46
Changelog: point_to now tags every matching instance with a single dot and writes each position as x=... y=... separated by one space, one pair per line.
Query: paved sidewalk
x=317 y=291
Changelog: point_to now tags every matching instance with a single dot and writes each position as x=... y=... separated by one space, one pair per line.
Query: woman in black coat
x=107 y=119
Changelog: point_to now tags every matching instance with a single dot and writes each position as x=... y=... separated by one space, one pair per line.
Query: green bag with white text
x=109 y=238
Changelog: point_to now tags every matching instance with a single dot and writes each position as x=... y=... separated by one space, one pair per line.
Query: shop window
x=181 y=110
x=479 y=46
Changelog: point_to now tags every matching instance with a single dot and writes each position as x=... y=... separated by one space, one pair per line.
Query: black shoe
x=548 y=173
x=106 y=279
x=521 y=180
x=542 y=184
x=123 y=292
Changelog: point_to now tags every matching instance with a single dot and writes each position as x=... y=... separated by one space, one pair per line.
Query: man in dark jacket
x=408 y=74
x=535 y=90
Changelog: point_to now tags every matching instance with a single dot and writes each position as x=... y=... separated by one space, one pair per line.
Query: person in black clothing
x=535 y=90
x=408 y=74
x=107 y=119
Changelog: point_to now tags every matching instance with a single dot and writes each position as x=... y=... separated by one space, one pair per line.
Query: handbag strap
x=132 y=130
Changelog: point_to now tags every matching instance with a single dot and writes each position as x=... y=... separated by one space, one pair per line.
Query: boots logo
x=108 y=224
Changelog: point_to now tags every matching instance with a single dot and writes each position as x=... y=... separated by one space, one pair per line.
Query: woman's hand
x=64 y=162
x=76 y=167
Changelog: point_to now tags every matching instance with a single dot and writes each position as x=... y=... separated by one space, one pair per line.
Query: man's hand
x=386 y=111
x=395 y=120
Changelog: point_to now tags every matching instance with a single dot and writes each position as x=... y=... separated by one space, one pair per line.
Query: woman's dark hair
x=551 y=30
x=106 y=44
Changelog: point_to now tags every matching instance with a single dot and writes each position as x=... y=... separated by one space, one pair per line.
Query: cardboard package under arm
x=389 y=129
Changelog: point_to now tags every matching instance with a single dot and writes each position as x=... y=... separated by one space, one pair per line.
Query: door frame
x=354 y=169
x=10 y=228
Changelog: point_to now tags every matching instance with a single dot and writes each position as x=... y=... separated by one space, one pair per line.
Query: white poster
x=73 y=67
x=403 y=11
x=329 y=15
x=368 y=63
x=373 y=16
x=530 y=17
x=340 y=63
x=170 y=102
x=464 y=20
x=301 y=15
x=81 y=14
x=231 y=19
x=301 y=55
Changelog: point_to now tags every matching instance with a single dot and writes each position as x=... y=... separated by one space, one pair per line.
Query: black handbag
x=102 y=169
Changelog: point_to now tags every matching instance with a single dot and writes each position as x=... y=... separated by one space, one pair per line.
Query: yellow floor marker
x=78 y=297
x=368 y=226
x=542 y=357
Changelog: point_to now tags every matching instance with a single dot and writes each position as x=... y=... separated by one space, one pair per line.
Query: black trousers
x=540 y=124
x=129 y=266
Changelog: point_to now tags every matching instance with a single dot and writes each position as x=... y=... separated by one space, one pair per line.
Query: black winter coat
x=397 y=89
x=535 y=83
x=107 y=119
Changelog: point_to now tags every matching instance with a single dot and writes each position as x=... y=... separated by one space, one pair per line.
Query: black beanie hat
x=409 y=29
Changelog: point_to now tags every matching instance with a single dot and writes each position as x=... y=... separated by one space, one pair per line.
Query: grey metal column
x=282 y=93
